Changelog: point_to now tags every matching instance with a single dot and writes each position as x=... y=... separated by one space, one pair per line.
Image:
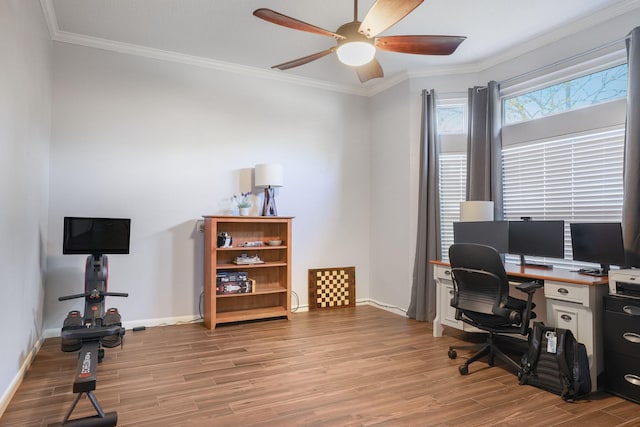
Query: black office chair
x=481 y=298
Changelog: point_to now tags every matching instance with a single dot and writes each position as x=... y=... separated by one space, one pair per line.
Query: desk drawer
x=623 y=305
x=567 y=292
x=443 y=273
x=622 y=334
x=622 y=326
x=622 y=376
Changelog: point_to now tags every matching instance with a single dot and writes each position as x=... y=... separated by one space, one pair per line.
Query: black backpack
x=564 y=372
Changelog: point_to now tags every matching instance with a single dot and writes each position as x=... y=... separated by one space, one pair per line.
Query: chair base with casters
x=487 y=348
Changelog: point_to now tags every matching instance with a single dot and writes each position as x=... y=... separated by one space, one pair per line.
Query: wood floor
x=348 y=367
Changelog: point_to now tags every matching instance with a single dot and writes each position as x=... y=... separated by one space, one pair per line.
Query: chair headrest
x=478 y=257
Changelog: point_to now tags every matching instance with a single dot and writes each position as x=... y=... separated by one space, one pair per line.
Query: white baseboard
x=17 y=380
x=390 y=308
x=393 y=309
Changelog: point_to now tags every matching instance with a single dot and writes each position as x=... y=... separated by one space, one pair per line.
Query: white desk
x=573 y=301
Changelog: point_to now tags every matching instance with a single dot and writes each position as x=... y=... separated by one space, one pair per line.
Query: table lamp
x=269 y=175
x=476 y=210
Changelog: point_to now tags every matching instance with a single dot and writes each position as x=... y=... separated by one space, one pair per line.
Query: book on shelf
x=231 y=276
x=236 y=287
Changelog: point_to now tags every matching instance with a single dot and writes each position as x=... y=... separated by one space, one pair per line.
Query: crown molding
x=388 y=82
x=180 y=58
x=561 y=32
x=49 y=16
x=446 y=71
x=533 y=44
x=130 y=49
x=126 y=48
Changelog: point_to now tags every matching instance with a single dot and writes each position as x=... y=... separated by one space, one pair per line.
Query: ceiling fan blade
x=385 y=13
x=303 y=60
x=370 y=70
x=287 y=21
x=421 y=45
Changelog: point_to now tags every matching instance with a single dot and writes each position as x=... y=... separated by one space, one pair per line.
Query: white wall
x=395 y=163
x=391 y=261
x=25 y=121
x=165 y=143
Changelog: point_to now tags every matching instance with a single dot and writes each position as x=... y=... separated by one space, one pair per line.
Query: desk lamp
x=476 y=210
x=269 y=175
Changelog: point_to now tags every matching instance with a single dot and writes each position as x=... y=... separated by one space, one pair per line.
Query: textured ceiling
x=225 y=31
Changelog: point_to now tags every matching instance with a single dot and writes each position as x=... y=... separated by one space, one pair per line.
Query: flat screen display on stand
x=536 y=238
x=96 y=236
x=490 y=233
x=598 y=242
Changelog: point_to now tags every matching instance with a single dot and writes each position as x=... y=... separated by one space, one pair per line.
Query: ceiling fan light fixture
x=356 y=53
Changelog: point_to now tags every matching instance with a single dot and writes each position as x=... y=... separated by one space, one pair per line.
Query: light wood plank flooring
x=358 y=366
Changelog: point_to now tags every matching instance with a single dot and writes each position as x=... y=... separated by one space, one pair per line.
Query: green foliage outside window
x=602 y=86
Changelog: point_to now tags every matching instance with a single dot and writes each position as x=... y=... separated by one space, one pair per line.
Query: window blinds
x=453 y=177
x=576 y=178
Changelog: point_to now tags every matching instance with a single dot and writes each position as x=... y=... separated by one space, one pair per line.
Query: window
x=452 y=127
x=451 y=119
x=575 y=178
x=591 y=89
x=563 y=151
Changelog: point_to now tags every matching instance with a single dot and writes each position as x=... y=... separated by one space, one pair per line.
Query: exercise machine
x=97 y=328
x=89 y=333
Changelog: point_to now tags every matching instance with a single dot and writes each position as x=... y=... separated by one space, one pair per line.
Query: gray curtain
x=484 y=146
x=422 y=306
x=631 y=200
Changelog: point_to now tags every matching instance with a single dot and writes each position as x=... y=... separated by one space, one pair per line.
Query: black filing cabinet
x=622 y=346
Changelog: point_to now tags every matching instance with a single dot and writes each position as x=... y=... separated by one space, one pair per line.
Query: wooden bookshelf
x=271 y=296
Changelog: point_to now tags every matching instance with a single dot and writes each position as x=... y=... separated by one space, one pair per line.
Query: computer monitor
x=96 y=236
x=598 y=242
x=536 y=238
x=490 y=233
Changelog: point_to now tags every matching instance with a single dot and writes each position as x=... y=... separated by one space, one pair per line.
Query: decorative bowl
x=274 y=242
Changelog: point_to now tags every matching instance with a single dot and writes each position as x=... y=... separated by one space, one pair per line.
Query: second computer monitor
x=536 y=238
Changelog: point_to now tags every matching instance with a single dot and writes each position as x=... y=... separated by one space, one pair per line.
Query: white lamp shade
x=356 y=54
x=269 y=175
x=476 y=210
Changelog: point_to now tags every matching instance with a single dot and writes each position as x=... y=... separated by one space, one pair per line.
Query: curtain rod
x=564 y=60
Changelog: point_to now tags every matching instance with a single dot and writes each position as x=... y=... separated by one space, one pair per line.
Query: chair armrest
x=529 y=287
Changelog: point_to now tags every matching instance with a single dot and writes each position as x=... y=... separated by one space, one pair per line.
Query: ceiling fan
x=356 y=41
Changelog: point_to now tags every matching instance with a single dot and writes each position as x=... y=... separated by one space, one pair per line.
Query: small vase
x=244 y=211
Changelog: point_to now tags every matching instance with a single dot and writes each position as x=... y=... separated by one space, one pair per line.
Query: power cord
x=293 y=293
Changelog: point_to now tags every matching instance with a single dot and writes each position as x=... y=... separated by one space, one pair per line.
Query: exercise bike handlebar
x=116 y=294
x=88 y=294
